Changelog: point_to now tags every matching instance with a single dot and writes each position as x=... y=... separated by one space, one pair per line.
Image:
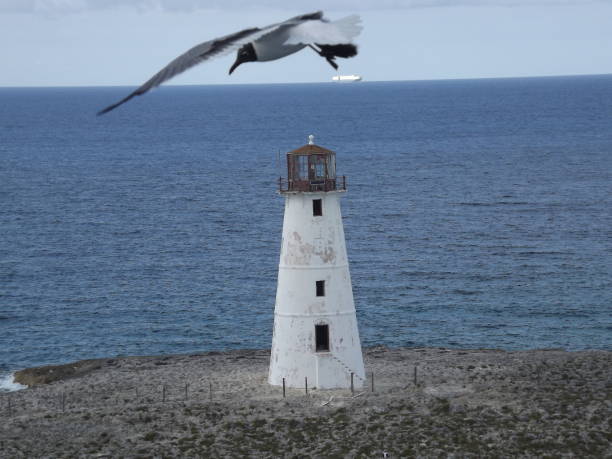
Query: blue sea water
x=478 y=214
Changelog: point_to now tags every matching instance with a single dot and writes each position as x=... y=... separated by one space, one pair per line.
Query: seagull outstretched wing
x=197 y=54
x=337 y=32
x=207 y=50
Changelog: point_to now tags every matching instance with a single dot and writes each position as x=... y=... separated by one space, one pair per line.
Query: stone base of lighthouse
x=315 y=326
x=322 y=370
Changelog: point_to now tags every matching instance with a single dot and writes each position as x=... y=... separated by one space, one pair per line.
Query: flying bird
x=329 y=39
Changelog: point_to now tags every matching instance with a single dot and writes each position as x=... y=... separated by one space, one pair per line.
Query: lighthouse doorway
x=322 y=338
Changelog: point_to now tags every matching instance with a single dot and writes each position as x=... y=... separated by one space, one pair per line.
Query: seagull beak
x=236 y=64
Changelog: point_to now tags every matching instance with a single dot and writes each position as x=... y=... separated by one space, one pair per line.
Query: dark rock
x=50 y=373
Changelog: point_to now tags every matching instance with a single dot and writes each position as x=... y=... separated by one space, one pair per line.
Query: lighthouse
x=316 y=338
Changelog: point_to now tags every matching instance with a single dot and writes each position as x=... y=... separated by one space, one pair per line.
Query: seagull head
x=244 y=54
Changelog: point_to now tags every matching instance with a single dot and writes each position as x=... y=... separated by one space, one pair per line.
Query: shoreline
x=45 y=374
x=8 y=383
x=467 y=402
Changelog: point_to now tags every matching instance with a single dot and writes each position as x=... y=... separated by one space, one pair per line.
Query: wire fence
x=54 y=399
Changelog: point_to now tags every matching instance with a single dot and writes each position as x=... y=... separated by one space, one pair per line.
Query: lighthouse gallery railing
x=337 y=184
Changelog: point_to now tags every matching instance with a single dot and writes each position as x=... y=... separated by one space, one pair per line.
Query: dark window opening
x=317 y=207
x=322 y=338
x=321 y=288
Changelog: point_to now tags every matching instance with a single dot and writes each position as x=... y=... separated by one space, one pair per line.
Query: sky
x=124 y=42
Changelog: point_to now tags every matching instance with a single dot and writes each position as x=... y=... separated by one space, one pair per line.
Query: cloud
x=77 y=6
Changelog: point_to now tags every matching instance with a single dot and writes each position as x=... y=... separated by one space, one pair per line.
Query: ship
x=346 y=78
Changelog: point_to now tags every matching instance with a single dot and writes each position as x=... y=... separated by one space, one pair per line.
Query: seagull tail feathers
x=331 y=52
x=344 y=50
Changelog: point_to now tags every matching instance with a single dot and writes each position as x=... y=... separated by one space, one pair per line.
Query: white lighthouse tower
x=315 y=326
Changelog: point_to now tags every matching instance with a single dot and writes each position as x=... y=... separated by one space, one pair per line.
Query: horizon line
x=313 y=82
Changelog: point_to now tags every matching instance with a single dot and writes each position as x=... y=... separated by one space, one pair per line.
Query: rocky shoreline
x=463 y=403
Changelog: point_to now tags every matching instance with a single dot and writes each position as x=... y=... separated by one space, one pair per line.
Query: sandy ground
x=465 y=403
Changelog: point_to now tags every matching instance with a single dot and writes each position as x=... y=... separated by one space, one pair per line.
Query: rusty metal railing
x=337 y=184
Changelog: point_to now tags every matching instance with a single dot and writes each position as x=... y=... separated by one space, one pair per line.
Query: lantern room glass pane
x=331 y=166
x=319 y=166
x=302 y=167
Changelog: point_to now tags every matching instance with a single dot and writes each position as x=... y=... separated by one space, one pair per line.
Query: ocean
x=478 y=214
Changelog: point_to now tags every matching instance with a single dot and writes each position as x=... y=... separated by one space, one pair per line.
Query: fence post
x=283 y=387
x=415 y=375
x=372 y=381
x=10 y=411
x=352 y=384
x=210 y=390
x=306 y=384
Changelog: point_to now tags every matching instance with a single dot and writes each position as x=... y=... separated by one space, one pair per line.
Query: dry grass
x=475 y=403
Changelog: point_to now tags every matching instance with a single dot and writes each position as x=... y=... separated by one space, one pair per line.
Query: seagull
x=328 y=39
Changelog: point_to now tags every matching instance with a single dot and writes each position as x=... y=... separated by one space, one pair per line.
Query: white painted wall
x=313 y=248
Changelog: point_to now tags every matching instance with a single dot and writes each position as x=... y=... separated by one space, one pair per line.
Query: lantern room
x=311 y=168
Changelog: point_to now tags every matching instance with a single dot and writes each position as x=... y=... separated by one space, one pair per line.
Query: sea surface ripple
x=478 y=214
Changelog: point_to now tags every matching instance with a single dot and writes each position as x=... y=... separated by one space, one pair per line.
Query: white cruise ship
x=346 y=78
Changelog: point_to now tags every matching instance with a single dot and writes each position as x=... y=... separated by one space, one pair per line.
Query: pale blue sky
x=124 y=42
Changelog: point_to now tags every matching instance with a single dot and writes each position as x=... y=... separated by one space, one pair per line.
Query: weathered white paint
x=313 y=249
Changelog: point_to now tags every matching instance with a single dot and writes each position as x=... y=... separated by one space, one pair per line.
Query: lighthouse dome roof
x=310 y=149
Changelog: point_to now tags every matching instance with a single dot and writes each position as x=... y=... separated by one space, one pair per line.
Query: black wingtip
x=114 y=106
x=106 y=110
x=311 y=16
